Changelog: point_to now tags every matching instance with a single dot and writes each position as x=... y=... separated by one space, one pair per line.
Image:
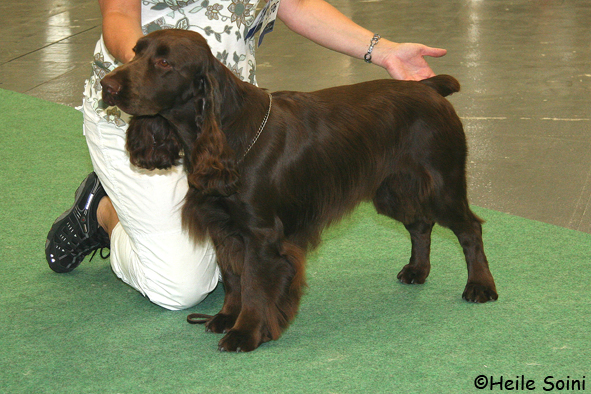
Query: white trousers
x=149 y=249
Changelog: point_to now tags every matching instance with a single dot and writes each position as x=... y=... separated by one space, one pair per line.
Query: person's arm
x=121 y=27
x=325 y=25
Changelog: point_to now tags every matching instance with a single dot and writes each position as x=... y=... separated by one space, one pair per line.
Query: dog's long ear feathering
x=212 y=169
x=152 y=143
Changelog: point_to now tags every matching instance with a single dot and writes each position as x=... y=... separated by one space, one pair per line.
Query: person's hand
x=405 y=61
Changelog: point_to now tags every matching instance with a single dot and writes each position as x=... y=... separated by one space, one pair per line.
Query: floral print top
x=224 y=23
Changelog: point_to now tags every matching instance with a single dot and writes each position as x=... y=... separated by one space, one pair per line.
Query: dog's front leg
x=226 y=318
x=271 y=286
x=246 y=334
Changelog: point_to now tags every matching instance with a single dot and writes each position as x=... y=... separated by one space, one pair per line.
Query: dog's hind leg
x=417 y=270
x=481 y=285
x=399 y=197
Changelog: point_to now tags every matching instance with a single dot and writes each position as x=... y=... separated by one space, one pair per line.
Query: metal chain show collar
x=258 y=134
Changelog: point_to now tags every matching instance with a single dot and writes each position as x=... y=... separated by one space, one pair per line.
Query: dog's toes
x=236 y=341
x=479 y=293
x=413 y=275
x=220 y=323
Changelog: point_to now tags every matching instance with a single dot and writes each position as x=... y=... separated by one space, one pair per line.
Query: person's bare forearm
x=121 y=27
x=325 y=25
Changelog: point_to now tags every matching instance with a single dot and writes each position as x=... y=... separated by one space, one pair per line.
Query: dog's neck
x=244 y=108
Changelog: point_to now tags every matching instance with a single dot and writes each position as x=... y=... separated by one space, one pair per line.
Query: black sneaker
x=76 y=233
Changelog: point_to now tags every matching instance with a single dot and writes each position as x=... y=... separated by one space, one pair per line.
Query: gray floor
x=525 y=69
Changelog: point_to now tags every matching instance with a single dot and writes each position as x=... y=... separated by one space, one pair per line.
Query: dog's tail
x=443 y=84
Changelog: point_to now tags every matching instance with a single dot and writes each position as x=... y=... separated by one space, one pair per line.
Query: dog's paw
x=479 y=293
x=239 y=341
x=413 y=274
x=220 y=323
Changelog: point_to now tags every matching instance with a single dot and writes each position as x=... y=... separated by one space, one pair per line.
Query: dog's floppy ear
x=212 y=167
x=152 y=143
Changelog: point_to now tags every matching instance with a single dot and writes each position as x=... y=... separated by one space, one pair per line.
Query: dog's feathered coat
x=398 y=144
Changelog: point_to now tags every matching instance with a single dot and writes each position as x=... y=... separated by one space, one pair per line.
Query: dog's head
x=170 y=67
x=172 y=87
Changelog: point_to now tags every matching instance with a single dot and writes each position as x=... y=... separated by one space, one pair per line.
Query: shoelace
x=100 y=250
x=85 y=246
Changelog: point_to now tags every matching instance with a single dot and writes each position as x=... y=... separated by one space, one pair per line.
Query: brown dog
x=268 y=173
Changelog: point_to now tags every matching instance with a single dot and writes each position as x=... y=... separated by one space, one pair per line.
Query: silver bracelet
x=373 y=43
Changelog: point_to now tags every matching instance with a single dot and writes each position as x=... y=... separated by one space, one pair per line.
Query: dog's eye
x=163 y=63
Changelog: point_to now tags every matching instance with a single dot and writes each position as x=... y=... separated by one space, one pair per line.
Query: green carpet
x=358 y=330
